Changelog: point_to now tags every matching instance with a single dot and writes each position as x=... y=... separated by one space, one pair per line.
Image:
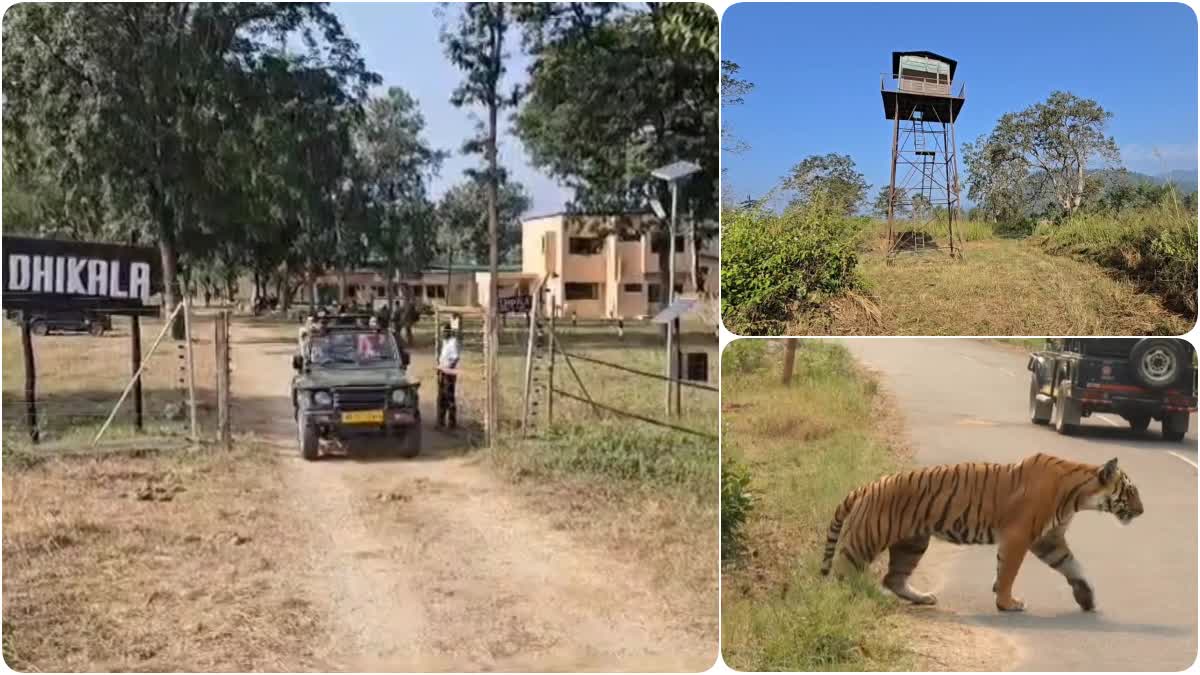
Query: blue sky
x=816 y=71
x=400 y=41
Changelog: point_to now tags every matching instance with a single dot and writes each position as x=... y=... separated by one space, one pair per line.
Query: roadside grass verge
x=170 y=563
x=804 y=447
x=1154 y=247
x=1009 y=287
x=646 y=493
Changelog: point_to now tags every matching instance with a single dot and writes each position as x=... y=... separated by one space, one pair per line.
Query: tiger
x=1020 y=507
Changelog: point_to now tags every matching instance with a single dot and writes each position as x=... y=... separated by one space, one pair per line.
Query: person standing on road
x=447 y=409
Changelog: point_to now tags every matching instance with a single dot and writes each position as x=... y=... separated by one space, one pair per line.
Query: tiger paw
x=1083 y=594
x=925 y=599
x=1010 y=605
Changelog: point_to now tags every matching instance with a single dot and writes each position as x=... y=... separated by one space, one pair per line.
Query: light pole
x=674 y=174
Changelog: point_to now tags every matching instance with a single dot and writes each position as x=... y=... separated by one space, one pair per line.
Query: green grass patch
x=805 y=446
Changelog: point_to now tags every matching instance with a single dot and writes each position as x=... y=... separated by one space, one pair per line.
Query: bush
x=772 y=262
x=736 y=505
x=743 y=356
x=1155 y=247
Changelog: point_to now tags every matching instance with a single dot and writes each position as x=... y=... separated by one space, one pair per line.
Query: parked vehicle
x=44 y=322
x=352 y=382
x=1140 y=379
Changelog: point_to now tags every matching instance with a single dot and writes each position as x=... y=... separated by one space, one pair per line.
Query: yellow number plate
x=363 y=417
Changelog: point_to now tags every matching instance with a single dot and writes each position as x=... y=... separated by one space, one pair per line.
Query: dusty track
x=436 y=564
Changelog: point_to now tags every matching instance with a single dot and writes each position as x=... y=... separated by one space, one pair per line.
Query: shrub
x=736 y=505
x=743 y=356
x=1155 y=247
x=771 y=262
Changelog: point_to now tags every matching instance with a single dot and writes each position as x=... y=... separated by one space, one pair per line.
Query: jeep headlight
x=401 y=397
x=322 y=398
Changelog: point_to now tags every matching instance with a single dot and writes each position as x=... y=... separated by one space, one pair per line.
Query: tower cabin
x=919 y=88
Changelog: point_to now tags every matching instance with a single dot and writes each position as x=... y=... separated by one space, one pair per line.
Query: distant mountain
x=1183 y=179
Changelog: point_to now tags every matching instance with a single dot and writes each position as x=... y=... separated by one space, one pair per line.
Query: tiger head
x=1117 y=494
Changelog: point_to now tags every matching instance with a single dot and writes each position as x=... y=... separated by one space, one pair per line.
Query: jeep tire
x=1175 y=426
x=1157 y=363
x=1065 y=414
x=410 y=441
x=1138 y=423
x=310 y=444
x=1039 y=413
x=39 y=327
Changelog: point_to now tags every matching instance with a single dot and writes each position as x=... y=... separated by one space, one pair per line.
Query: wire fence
x=80 y=378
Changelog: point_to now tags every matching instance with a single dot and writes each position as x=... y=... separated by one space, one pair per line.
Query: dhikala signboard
x=57 y=274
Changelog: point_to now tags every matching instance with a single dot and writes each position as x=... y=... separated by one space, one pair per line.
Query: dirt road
x=435 y=564
x=965 y=400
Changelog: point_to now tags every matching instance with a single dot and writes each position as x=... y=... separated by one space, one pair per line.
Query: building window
x=586 y=245
x=577 y=291
x=436 y=291
x=678 y=289
x=380 y=291
x=656 y=245
x=633 y=288
x=653 y=293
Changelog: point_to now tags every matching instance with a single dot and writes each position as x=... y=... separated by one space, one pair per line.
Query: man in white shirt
x=447 y=411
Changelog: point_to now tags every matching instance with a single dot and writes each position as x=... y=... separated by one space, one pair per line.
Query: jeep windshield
x=353 y=348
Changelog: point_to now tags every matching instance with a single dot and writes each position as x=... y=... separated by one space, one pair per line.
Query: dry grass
x=1003 y=287
x=80 y=378
x=159 y=563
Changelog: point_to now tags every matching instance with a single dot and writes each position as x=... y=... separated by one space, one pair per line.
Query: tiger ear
x=1109 y=471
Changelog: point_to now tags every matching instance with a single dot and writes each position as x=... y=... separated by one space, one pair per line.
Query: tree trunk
x=285 y=289
x=493 y=390
x=789 y=360
x=166 y=249
x=390 y=288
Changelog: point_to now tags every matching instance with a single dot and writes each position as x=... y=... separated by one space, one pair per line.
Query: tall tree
x=832 y=177
x=126 y=101
x=1052 y=143
x=475 y=44
x=616 y=91
x=733 y=92
x=463 y=225
x=396 y=164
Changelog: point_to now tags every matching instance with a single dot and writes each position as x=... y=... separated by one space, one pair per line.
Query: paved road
x=966 y=400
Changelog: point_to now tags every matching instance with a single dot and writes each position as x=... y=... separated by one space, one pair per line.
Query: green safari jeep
x=352 y=382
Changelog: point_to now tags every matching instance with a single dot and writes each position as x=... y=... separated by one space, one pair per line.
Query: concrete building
x=604 y=266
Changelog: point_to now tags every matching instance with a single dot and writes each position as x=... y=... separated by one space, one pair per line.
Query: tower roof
x=929 y=55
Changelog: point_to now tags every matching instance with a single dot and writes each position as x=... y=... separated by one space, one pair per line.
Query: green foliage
x=806 y=445
x=1155 y=247
x=395 y=164
x=744 y=356
x=832 y=179
x=619 y=451
x=770 y=263
x=1041 y=151
x=183 y=125
x=463 y=225
x=617 y=91
x=736 y=505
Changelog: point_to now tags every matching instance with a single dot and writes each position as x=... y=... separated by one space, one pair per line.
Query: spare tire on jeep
x=1158 y=363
